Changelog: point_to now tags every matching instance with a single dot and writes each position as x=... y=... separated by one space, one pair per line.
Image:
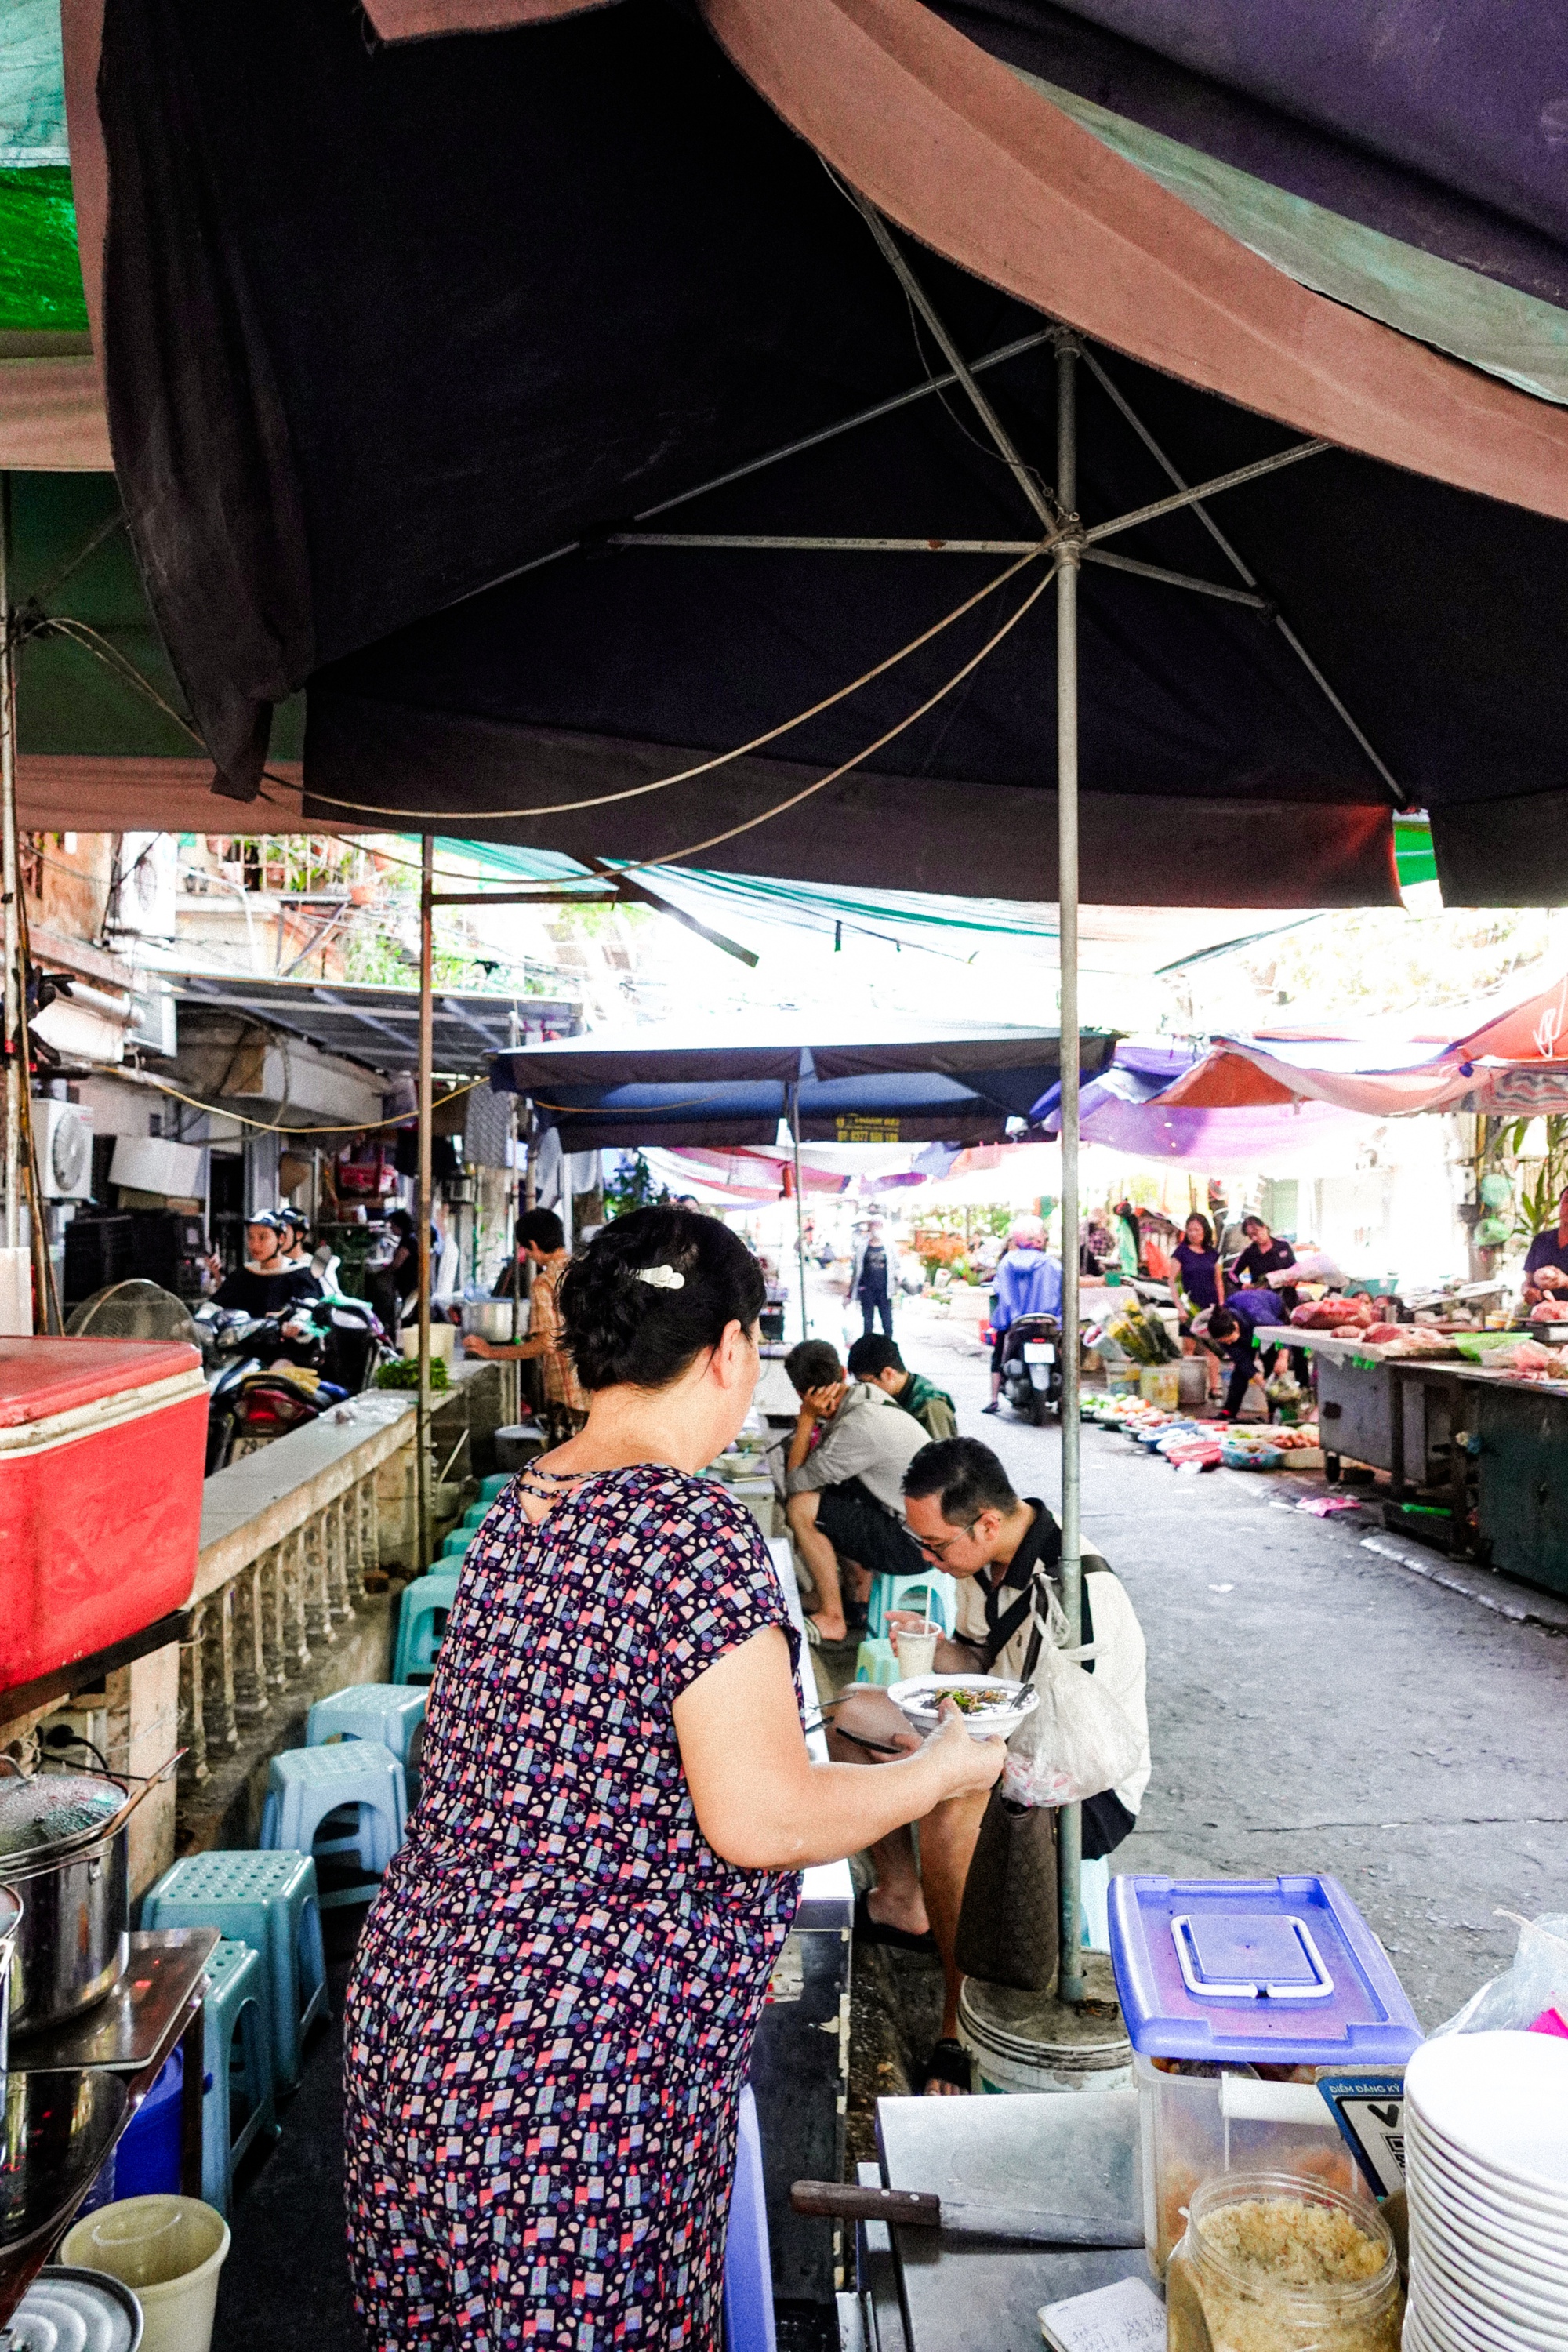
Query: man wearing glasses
x=960 y=1507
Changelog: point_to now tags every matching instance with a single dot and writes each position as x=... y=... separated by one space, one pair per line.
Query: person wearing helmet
x=1027 y=1283
x=268 y=1282
x=295 y=1228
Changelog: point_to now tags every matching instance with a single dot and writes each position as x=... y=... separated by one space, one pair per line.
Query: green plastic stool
x=875 y=1661
x=236 y=2063
x=491 y=1488
x=268 y=1901
x=456 y=1543
x=890 y=1592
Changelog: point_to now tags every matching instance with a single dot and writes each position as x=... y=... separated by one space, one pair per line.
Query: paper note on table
x=1126 y=2317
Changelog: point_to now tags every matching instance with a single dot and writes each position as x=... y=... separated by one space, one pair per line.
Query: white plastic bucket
x=1024 y=2042
x=169 y=2251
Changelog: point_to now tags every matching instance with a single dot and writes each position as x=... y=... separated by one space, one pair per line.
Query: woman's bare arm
x=762 y=1799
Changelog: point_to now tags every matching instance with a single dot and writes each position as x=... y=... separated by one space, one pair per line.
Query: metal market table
x=1071 y=2149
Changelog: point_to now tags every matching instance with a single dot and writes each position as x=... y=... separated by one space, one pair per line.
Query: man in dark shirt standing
x=870 y=1281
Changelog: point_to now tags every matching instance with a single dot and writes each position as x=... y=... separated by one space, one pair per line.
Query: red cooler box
x=102 y=1445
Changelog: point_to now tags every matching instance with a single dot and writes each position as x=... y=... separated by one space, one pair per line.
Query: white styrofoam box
x=152 y=1163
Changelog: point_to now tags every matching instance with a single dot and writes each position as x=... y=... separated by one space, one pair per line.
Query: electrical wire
x=335 y=1127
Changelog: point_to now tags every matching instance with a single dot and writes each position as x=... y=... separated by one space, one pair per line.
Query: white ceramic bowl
x=1469 y=2322
x=1461 y=2205
x=918 y=1701
x=1466 y=2268
x=1537 y=2205
x=1501 y=2099
x=1488 y=2238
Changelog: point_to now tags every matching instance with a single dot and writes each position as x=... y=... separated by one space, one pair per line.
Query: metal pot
x=73 y=1940
x=10 y=1933
x=491 y=1319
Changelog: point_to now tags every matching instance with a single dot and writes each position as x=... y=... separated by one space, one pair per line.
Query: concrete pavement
x=1315 y=1705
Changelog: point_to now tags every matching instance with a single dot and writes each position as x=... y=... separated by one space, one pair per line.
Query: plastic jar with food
x=1272 y=2261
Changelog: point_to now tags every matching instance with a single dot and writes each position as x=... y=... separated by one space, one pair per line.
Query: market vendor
x=1232 y=1329
x=1546 y=1260
x=1265 y=1255
x=552 y=2006
x=878 y=1362
x=1197 y=1275
x=542 y=1241
x=961 y=1509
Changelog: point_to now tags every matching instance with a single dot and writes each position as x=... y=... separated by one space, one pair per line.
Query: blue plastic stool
x=895 y=1592
x=237 y=2065
x=748 y=2266
x=268 y=1901
x=393 y=1713
x=419 y=1635
x=877 y=1662
x=491 y=1488
x=305 y=1786
x=456 y=1545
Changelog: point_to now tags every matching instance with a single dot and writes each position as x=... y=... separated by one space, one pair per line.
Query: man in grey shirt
x=845 y=1494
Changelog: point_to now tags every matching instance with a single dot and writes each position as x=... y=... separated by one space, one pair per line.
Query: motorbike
x=1032 y=1367
x=270 y=1374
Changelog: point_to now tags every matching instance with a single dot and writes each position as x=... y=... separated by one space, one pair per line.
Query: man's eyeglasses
x=938 y=1547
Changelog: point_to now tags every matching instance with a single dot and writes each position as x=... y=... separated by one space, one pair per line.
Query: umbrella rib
x=1257 y=604
x=878 y=409
x=1234 y=480
x=788 y=542
x=1124 y=406
x=888 y=245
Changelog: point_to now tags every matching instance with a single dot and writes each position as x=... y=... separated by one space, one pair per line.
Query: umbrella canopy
x=1512 y=1064
x=496 y=390
x=956 y=1089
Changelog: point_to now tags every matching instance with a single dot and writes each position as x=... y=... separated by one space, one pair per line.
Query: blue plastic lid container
x=1243 y=1972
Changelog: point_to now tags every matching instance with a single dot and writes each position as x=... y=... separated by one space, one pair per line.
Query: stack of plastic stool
x=427 y=1598
x=306 y=1785
x=748 y=2265
x=235 y=2057
x=491 y=1488
x=393 y=1713
x=937 y=1598
x=456 y=1543
x=268 y=1901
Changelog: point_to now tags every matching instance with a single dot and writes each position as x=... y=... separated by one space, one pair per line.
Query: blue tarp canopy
x=961 y=1088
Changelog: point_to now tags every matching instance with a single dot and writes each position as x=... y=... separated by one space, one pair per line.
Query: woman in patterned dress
x=553 y=2005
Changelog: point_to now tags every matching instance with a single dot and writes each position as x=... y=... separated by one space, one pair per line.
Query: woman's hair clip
x=659 y=1278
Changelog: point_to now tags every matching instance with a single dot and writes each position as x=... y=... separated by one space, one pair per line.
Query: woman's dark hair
x=622 y=1331
x=1197 y=1217
x=1223 y=1324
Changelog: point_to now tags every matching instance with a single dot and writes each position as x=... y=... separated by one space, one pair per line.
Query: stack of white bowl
x=1485 y=2153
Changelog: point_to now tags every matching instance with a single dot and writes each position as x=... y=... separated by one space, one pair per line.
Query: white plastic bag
x=1537 y=1981
x=1078 y=1742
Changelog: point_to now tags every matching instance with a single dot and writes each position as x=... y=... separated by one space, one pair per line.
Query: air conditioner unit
x=63 y=1133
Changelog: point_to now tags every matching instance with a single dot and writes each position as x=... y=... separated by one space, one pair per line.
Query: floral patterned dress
x=551 y=2010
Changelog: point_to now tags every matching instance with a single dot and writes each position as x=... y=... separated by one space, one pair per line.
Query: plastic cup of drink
x=916 y=1654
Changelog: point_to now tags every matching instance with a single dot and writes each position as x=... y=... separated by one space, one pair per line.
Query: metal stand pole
x=8 y=886
x=422 y=1204
x=799 y=1208
x=1070 y=1821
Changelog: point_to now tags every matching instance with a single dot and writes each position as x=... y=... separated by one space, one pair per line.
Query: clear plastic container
x=1271 y=2262
x=1198 y=2121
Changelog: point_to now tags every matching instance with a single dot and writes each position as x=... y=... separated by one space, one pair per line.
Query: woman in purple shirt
x=1200 y=1277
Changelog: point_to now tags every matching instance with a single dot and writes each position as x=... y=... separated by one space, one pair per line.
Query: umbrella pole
x=1070 y=1821
x=422 y=1205
x=9 y=883
x=799 y=1206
